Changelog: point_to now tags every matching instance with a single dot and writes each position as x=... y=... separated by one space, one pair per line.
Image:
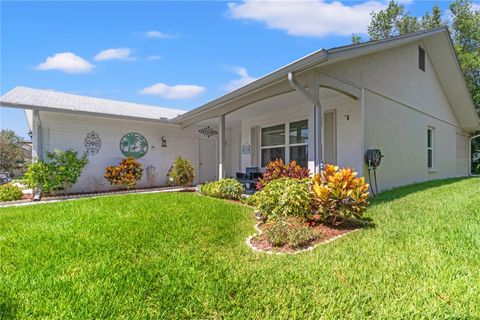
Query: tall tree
x=434 y=20
x=12 y=151
x=384 y=23
x=465 y=27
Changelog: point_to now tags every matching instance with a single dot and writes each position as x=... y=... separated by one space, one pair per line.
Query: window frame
x=287 y=143
x=431 y=148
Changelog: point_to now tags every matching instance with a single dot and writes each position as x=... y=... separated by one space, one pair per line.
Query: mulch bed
x=328 y=233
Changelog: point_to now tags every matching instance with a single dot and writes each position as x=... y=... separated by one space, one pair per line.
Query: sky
x=170 y=54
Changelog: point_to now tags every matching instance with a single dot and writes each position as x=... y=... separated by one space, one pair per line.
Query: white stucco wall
x=401 y=101
x=67 y=131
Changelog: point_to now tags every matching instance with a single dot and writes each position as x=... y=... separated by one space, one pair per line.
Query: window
x=298 y=140
x=430 y=148
x=421 y=58
x=273 y=144
x=291 y=137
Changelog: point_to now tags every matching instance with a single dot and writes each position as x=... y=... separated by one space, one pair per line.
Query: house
x=405 y=96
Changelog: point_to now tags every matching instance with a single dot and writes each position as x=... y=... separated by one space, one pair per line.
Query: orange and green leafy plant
x=340 y=194
x=127 y=173
x=278 y=169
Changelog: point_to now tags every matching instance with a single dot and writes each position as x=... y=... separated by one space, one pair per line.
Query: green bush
x=224 y=189
x=284 y=198
x=301 y=236
x=290 y=232
x=182 y=172
x=277 y=234
x=61 y=170
x=41 y=176
x=10 y=192
x=68 y=166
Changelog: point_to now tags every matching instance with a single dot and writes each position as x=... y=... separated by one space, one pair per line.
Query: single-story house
x=405 y=96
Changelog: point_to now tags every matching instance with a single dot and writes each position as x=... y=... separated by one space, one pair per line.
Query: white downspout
x=318 y=119
x=470 y=156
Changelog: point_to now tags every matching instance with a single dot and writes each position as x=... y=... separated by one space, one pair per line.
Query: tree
x=434 y=20
x=465 y=28
x=391 y=22
x=356 y=39
x=12 y=151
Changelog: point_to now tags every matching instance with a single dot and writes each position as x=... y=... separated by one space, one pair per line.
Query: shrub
x=277 y=233
x=10 y=192
x=127 y=173
x=182 y=172
x=290 y=231
x=41 y=176
x=151 y=175
x=278 y=169
x=67 y=166
x=224 y=189
x=285 y=197
x=301 y=236
x=61 y=170
x=340 y=194
x=248 y=200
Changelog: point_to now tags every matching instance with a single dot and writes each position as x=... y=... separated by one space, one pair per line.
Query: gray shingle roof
x=48 y=100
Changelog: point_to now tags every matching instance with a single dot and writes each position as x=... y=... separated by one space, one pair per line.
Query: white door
x=208 y=160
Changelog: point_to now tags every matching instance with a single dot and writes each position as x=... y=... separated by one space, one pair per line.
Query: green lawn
x=182 y=255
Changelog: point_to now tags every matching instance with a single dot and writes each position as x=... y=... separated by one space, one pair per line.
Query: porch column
x=37 y=152
x=317 y=126
x=221 y=147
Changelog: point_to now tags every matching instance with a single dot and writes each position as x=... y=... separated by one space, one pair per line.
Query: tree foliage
x=464 y=25
x=13 y=154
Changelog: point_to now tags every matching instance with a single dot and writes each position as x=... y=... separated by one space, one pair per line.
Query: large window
x=431 y=148
x=286 y=141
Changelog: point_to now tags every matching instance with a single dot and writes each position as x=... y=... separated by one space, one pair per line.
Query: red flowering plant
x=127 y=173
x=278 y=169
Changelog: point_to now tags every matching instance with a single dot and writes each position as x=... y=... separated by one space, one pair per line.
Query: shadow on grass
x=400 y=192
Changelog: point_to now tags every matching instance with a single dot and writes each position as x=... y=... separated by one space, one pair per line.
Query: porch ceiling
x=287 y=103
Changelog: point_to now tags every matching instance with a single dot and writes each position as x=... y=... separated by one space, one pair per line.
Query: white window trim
x=431 y=148
x=287 y=144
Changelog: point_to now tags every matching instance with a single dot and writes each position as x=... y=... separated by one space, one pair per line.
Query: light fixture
x=30 y=134
x=164 y=142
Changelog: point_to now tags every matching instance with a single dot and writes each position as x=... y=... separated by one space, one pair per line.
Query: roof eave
x=86 y=113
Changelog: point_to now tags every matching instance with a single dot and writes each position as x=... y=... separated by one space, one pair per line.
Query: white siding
x=67 y=131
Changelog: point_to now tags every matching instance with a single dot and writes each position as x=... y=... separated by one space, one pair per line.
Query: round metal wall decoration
x=245 y=148
x=207 y=131
x=92 y=143
x=133 y=145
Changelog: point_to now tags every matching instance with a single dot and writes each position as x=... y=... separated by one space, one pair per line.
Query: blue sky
x=172 y=54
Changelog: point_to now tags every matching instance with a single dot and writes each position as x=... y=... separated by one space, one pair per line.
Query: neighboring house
x=405 y=96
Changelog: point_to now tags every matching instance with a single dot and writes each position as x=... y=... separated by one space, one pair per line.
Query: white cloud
x=314 y=18
x=154 y=57
x=179 y=91
x=244 y=79
x=67 y=62
x=115 y=54
x=476 y=6
x=158 y=35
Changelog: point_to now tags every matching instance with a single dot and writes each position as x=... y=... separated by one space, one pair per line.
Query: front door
x=208 y=160
x=329 y=137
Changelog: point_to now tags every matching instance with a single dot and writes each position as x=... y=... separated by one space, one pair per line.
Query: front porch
x=311 y=126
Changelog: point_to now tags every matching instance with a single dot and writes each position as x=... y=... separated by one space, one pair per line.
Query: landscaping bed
x=324 y=233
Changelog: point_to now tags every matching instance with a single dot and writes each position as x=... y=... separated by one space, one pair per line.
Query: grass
x=180 y=255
